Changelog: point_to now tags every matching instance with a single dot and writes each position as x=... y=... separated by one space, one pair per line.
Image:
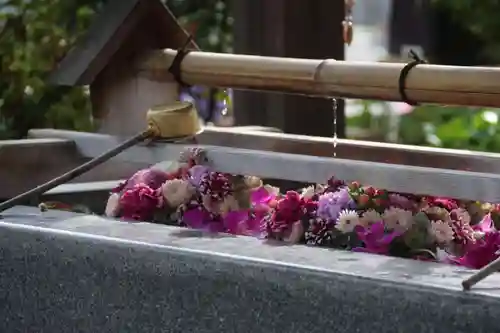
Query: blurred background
x=36 y=34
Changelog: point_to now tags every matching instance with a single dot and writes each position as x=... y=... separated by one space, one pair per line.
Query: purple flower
x=332 y=203
x=375 y=238
x=197 y=173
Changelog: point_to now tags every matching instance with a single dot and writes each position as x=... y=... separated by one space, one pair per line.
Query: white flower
x=309 y=192
x=177 y=192
x=113 y=205
x=397 y=219
x=441 y=231
x=370 y=217
x=347 y=221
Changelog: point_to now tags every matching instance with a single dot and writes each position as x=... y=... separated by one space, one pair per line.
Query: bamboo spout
x=453 y=85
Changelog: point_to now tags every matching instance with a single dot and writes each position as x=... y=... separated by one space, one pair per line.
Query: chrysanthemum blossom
x=397 y=219
x=442 y=232
x=347 y=221
x=177 y=192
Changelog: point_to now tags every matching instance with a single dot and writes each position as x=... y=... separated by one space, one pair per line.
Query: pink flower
x=215 y=185
x=285 y=222
x=243 y=222
x=153 y=178
x=201 y=219
x=263 y=195
x=481 y=253
x=140 y=203
x=375 y=239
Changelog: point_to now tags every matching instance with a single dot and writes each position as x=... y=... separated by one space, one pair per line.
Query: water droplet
x=335 y=136
x=224 y=105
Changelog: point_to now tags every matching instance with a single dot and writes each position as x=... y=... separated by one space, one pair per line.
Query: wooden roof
x=110 y=30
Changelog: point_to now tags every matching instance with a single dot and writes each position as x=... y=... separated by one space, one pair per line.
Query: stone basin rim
x=492 y=294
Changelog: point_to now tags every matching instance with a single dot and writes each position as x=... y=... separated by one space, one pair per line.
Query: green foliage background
x=35 y=34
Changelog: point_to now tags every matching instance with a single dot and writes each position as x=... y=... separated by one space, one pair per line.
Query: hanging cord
x=175 y=67
x=416 y=60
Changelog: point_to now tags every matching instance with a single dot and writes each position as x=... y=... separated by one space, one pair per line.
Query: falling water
x=335 y=136
x=224 y=110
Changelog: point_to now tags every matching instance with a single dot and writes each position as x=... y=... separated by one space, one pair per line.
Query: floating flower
x=331 y=204
x=196 y=174
x=113 y=205
x=140 y=203
x=152 y=178
x=347 y=221
x=286 y=221
x=461 y=215
x=399 y=201
x=177 y=192
x=375 y=238
x=370 y=217
x=482 y=252
x=397 y=219
x=215 y=185
x=442 y=231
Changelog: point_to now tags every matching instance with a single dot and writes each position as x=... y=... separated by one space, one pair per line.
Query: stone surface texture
x=67 y=273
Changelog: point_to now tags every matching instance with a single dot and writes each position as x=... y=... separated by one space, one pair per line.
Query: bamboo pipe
x=454 y=85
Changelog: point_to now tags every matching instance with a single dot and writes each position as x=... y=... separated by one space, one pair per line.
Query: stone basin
x=65 y=272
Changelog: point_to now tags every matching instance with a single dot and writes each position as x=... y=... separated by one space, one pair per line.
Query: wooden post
x=289 y=28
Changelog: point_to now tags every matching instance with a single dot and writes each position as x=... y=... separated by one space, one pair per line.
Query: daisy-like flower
x=347 y=221
x=397 y=219
x=442 y=231
x=370 y=217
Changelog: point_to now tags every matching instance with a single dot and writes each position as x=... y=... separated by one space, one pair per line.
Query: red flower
x=140 y=203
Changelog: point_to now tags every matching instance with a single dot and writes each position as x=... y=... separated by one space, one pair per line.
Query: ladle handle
x=78 y=171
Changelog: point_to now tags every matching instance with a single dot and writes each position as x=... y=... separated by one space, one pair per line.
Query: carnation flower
x=285 y=222
x=140 y=203
x=347 y=221
x=442 y=231
x=177 y=191
x=215 y=185
x=397 y=219
x=331 y=204
x=152 y=178
x=370 y=217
